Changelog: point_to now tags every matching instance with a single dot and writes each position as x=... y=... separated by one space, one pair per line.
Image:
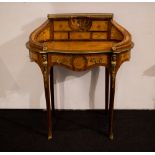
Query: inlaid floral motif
x=80 y=23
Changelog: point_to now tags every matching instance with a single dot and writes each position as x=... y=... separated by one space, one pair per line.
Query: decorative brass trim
x=75 y=52
x=113 y=68
x=92 y=15
x=44 y=62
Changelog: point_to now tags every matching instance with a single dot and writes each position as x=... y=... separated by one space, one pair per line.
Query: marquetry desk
x=80 y=42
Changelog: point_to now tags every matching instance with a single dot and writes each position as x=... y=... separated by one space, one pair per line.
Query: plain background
x=21 y=83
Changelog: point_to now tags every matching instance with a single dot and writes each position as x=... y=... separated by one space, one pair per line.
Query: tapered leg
x=106 y=89
x=112 y=93
x=52 y=90
x=47 y=95
x=111 y=107
x=45 y=71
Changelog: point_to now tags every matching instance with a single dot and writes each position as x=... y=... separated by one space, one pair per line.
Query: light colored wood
x=44 y=35
x=115 y=34
x=97 y=59
x=79 y=35
x=99 y=26
x=60 y=35
x=80 y=46
x=78 y=62
x=34 y=56
x=61 y=59
x=99 y=35
x=61 y=26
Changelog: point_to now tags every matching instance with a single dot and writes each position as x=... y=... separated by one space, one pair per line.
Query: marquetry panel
x=44 y=35
x=60 y=35
x=61 y=59
x=99 y=35
x=97 y=59
x=33 y=56
x=115 y=34
x=79 y=35
x=79 y=62
x=99 y=26
x=61 y=26
x=124 y=56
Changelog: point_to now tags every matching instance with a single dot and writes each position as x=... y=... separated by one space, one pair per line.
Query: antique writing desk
x=80 y=42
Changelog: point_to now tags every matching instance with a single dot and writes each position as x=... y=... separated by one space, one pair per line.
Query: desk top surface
x=80 y=47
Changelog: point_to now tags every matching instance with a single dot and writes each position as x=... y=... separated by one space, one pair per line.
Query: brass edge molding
x=93 y=15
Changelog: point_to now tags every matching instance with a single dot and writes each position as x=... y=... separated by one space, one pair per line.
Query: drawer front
x=65 y=60
x=99 y=26
x=79 y=35
x=60 y=35
x=61 y=26
x=99 y=35
x=78 y=62
x=96 y=26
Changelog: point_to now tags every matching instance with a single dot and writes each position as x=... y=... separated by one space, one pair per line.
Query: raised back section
x=80 y=27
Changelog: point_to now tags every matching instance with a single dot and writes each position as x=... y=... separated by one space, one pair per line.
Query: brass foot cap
x=111 y=137
x=50 y=137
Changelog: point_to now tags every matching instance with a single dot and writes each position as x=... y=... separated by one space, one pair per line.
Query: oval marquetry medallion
x=79 y=62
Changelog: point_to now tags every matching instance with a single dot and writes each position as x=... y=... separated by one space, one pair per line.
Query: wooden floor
x=25 y=130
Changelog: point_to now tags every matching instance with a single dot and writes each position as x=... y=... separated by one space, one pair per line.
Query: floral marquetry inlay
x=80 y=23
x=124 y=56
x=65 y=60
x=79 y=62
x=102 y=59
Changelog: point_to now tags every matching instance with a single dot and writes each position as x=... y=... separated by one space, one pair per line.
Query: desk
x=80 y=42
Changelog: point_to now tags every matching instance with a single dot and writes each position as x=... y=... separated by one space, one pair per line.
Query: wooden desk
x=80 y=42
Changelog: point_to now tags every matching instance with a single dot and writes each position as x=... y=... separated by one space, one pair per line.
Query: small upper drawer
x=99 y=35
x=61 y=26
x=79 y=35
x=60 y=35
x=99 y=26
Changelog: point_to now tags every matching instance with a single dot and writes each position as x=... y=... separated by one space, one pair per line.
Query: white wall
x=21 y=84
